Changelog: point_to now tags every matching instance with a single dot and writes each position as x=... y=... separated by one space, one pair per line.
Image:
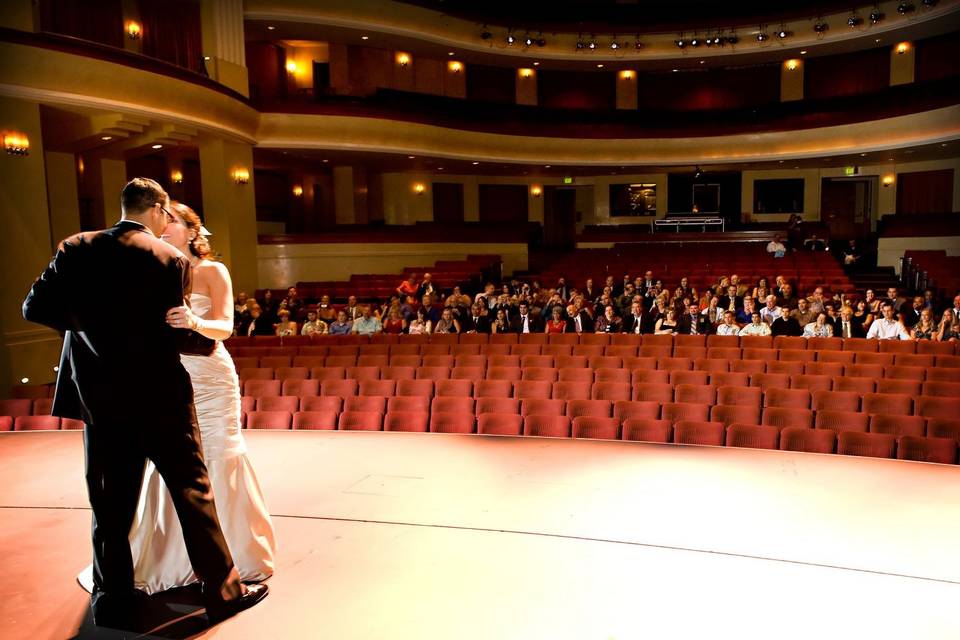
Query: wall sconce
x=888 y=180
x=454 y=66
x=133 y=30
x=536 y=191
x=525 y=73
x=292 y=67
x=297 y=191
x=176 y=177
x=241 y=176
x=403 y=59
x=16 y=144
x=902 y=48
x=419 y=188
x=626 y=75
x=791 y=65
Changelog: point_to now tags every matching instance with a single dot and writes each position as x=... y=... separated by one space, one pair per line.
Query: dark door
x=448 y=202
x=559 y=217
x=845 y=207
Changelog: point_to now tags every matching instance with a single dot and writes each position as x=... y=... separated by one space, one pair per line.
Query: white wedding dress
x=156 y=540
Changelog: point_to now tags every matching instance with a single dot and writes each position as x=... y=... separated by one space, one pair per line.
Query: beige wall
x=526 y=86
x=902 y=65
x=62 y=194
x=282 y=265
x=791 y=80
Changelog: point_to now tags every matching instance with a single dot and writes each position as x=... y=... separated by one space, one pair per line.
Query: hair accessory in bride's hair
x=204 y=231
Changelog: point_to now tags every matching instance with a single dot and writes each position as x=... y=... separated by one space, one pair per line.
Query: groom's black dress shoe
x=252 y=595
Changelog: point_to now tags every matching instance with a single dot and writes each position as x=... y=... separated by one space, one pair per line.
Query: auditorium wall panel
x=847 y=74
x=937 y=57
x=576 y=90
x=811 y=193
x=710 y=88
x=279 y=265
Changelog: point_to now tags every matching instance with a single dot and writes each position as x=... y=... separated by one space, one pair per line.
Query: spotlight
x=732 y=39
x=485 y=33
x=580 y=44
x=592 y=44
x=718 y=40
x=681 y=43
x=697 y=172
x=708 y=41
x=930 y=3
x=762 y=37
x=528 y=41
x=695 y=41
x=820 y=26
x=614 y=45
x=876 y=16
x=638 y=45
x=905 y=7
x=854 y=21
x=510 y=39
x=782 y=34
x=541 y=41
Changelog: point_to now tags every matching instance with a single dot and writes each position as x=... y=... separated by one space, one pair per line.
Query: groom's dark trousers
x=108 y=293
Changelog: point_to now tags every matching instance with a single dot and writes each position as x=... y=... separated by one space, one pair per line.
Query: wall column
x=221 y=24
x=27 y=350
x=17 y=14
x=627 y=89
x=343 y=194
x=229 y=208
x=526 y=86
x=62 y=194
x=113 y=178
x=791 y=80
x=902 y=61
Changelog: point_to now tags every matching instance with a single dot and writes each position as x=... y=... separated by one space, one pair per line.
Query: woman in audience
x=341 y=326
x=408 y=287
x=394 y=322
x=500 y=324
x=447 y=323
x=819 y=328
x=420 y=325
x=556 y=323
x=325 y=310
x=926 y=328
x=863 y=314
x=949 y=330
x=872 y=302
x=761 y=284
x=667 y=324
x=285 y=327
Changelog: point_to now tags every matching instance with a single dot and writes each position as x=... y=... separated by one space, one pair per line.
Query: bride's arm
x=218 y=325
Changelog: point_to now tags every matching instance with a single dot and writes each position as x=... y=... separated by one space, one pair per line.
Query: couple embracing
x=143 y=310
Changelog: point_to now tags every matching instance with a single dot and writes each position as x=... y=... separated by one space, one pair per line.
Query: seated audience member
x=353 y=309
x=269 y=307
x=925 y=328
x=409 y=308
x=910 y=312
x=887 y=327
x=554 y=301
x=589 y=291
x=763 y=285
x=367 y=324
x=851 y=254
x=420 y=325
x=849 y=326
x=394 y=323
x=820 y=328
x=693 y=323
x=430 y=311
x=770 y=311
x=313 y=325
x=929 y=300
x=813 y=243
x=609 y=322
x=893 y=298
x=728 y=327
x=949 y=328
x=408 y=287
x=240 y=303
x=457 y=299
x=294 y=305
x=525 y=321
x=667 y=324
x=956 y=307
x=638 y=321
x=730 y=301
x=872 y=302
x=500 y=323
x=562 y=290
x=787 y=300
x=325 y=310
x=744 y=315
x=862 y=315
x=557 y=323
x=426 y=287
x=256 y=324
x=776 y=248
x=741 y=287
x=477 y=320
x=341 y=326
x=579 y=320
x=241 y=311
x=714 y=312
x=786 y=325
x=816 y=301
x=756 y=327
x=803 y=314
x=447 y=323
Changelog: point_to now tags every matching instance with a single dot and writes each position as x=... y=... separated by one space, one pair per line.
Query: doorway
x=560 y=209
x=847 y=206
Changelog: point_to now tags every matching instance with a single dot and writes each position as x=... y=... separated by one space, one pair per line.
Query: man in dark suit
x=848 y=325
x=694 y=323
x=578 y=321
x=638 y=320
x=125 y=381
x=476 y=321
x=525 y=321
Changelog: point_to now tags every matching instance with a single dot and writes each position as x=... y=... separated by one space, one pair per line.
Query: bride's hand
x=182 y=318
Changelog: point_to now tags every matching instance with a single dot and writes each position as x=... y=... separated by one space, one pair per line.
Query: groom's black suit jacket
x=108 y=292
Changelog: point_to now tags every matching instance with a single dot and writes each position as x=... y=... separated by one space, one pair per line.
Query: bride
x=156 y=540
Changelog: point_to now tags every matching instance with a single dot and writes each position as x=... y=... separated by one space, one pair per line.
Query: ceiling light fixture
x=854 y=21
x=485 y=33
x=820 y=27
x=364 y=37
x=876 y=15
x=592 y=44
x=906 y=7
x=156 y=146
x=697 y=172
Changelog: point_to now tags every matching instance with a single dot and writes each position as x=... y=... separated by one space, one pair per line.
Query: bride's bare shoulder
x=212 y=270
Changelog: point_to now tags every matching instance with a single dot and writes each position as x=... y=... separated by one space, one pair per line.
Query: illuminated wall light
x=536 y=191
x=626 y=74
x=297 y=191
x=455 y=67
x=419 y=188
x=176 y=177
x=133 y=30
x=403 y=59
x=24 y=380
x=156 y=146
x=888 y=180
x=292 y=67
x=241 y=176
x=16 y=144
x=902 y=48
x=791 y=65
x=105 y=138
x=80 y=165
x=525 y=73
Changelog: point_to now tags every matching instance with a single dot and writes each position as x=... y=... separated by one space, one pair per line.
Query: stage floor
x=397 y=535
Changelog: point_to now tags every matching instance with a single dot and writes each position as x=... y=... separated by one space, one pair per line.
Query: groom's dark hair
x=140 y=194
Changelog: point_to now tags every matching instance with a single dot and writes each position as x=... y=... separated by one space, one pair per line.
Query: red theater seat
x=752 y=436
x=888 y=403
x=494 y=389
x=260 y=388
x=321 y=403
x=735 y=413
x=497 y=405
x=944 y=428
x=292 y=373
x=612 y=375
x=792 y=398
x=419 y=387
x=940 y=389
x=873 y=445
x=823 y=369
x=575 y=375
x=628 y=409
x=407 y=404
x=866 y=365
x=647 y=430
x=783 y=417
x=901 y=372
x=452 y=404
x=532 y=389
x=653 y=391
x=842 y=420
x=678 y=377
x=685 y=411
x=695 y=393
x=342 y=388
x=788 y=368
x=908 y=387
x=470 y=361
x=596 y=408
x=42 y=406
x=501 y=424
x=373 y=361
x=290 y=404
x=857 y=385
x=409 y=362
x=360 y=421
x=551 y=407
x=699 y=432
x=256 y=374
x=36 y=423
x=546 y=426
x=548 y=374
x=504 y=373
x=939 y=450
x=596 y=428
x=325 y=420
x=808 y=440
x=732 y=379
x=269 y=420
x=433 y=373
x=749 y=396
x=770 y=380
x=398 y=372
x=376 y=404
x=571 y=390
x=385 y=388
x=898 y=425
x=300 y=388
x=930 y=347
x=934 y=407
x=748 y=366
x=811 y=382
x=612 y=391
x=466 y=373
x=711 y=365
x=653 y=376
x=898 y=346
x=417 y=421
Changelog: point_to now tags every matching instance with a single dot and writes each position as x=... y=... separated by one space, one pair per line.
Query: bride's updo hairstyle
x=199 y=246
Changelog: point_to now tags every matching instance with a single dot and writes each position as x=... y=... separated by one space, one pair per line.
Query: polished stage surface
x=405 y=535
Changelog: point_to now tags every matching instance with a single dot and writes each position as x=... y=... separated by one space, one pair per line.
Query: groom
x=121 y=374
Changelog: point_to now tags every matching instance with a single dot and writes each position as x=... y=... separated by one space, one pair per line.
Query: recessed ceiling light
x=439 y=168
x=450 y=53
x=877 y=40
x=702 y=61
x=863 y=155
x=411 y=157
x=536 y=64
x=364 y=37
x=546 y=166
x=943 y=144
x=599 y=66
x=325 y=160
x=803 y=52
x=157 y=146
x=106 y=137
x=475 y=162
x=675 y=70
x=271 y=27
x=781 y=162
x=890 y=160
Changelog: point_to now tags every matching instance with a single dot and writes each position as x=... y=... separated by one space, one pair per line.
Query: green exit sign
x=850 y=171
x=567 y=180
